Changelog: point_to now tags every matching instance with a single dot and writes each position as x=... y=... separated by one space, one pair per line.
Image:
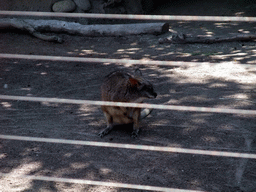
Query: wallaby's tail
x=145 y=113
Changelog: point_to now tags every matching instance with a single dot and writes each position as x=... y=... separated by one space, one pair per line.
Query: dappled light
x=13 y=184
x=6 y=104
x=225 y=71
x=198 y=137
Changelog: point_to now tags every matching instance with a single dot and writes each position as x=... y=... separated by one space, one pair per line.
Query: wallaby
x=123 y=87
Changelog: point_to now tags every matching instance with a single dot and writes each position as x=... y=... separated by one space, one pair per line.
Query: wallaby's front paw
x=102 y=134
x=105 y=132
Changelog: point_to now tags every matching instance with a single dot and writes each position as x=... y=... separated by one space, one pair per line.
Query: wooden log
x=34 y=27
x=22 y=25
x=99 y=30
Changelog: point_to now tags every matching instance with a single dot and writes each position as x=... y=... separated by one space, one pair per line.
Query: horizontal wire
x=119 y=61
x=129 y=146
x=132 y=146
x=134 y=17
x=90 y=60
x=134 y=105
x=90 y=182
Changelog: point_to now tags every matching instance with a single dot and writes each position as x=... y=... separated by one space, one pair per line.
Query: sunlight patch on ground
x=19 y=184
x=90 y=52
x=48 y=104
x=239 y=99
x=3 y=155
x=189 y=129
x=85 y=52
x=77 y=165
x=25 y=89
x=243 y=31
x=87 y=108
x=227 y=127
x=6 y=104
x=199 y=121
x=218 y=85
x=173 y=101
x=238 y=96
x=83 y=188
x=236 y=56
x=210 y=139
x=201 y=98
x=120 y=50
x=183 y=55
x=161 y=121
x=224 y=71
x=209 y=34
x=133 y=50
x=167 y=53
x=105 y=171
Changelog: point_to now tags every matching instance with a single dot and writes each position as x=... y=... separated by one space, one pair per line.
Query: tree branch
x=183 y=39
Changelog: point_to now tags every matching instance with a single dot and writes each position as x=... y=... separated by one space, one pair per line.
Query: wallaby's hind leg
x=109 y=127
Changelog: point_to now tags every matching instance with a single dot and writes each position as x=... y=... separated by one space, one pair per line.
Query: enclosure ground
x=227 y=83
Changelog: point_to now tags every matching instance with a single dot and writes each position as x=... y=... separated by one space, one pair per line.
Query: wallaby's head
x=144 y=87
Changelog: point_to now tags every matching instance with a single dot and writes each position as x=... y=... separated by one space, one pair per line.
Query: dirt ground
x=223 y=84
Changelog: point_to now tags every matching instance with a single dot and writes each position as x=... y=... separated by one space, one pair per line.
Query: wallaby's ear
x=133 y=81
x=137 y=73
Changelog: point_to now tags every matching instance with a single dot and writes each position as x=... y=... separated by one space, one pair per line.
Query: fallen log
x=35 y=27
x=183 y=39
x=22 y=25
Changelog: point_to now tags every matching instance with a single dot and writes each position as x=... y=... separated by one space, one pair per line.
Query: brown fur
x=123 y=87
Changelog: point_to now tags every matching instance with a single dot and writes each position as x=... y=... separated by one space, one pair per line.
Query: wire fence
x=130 y=146
x=134 y=105
x=133 y=17
x=99 y=103
x=119 y=61
x=99 y=183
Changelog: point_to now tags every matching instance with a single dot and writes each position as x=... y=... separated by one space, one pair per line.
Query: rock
x=85 y=5
x=64 y=6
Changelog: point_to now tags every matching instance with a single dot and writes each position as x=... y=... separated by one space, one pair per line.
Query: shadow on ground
x=223 y=84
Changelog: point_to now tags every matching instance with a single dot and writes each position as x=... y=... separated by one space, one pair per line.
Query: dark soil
x=224 y=84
